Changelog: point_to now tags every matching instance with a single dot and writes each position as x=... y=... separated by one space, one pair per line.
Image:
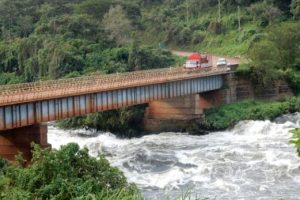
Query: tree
x=265 y=12
x=263 y=63
x=117 y=25
x=286 y=40
x=278 y=52
x=196 y=7
x=295 y=9
x=95 y=8
x=134 y=62
x=283 y=5
x=8 y=16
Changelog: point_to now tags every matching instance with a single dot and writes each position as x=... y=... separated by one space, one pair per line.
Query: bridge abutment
x=176 y=114
x=15 y=141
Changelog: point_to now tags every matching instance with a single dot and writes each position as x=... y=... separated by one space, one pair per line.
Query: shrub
x=198 y=37
x=296 y=139
x=227 y=115
x=69 y=173
x=243 y=70
x=265 y=12
x=295 y=8
x=294 y=81
x=216 y=27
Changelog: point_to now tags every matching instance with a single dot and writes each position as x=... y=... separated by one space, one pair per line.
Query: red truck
x=197 y=60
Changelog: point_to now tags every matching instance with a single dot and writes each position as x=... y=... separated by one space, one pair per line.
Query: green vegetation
x=265 y=32
x=276 y=56
x=228 y=115
x=69 y=173
x=296 y=139
x=194 y=24
x=41 y=40
x=48 y=39
x=53 y=39
x=125 y=122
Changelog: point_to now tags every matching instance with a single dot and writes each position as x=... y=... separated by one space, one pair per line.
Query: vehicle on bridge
x=222 y=62
x=197 y=61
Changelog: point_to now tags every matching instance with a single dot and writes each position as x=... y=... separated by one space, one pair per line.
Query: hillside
x=195 y=25
x=46 y=39
x=265 y=32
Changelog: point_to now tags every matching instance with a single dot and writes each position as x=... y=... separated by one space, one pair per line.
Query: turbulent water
x=254 y=160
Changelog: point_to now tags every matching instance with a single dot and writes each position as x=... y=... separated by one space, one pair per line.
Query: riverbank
x=228 y=115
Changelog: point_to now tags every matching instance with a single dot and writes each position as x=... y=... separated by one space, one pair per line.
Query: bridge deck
x=30 y=92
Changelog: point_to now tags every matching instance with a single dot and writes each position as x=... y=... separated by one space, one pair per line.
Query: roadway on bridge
x=232 y=61
x=29 y=92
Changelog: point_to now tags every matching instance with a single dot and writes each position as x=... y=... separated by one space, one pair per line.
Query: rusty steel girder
x=43 y=90
x=41 y=102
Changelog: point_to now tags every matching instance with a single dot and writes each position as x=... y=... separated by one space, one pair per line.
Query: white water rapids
x=254 y=160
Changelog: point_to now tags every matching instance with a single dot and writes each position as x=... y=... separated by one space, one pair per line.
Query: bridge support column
x=172 y=114
x=18 y=140
x=212 y=99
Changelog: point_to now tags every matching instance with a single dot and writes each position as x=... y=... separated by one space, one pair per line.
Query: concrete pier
x=15 y=141
x=177 y=114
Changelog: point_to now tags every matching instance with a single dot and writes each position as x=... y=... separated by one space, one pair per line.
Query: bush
x=69 y=173
x=265 y=12
x=245 y=35
x=216 y=27
x=227 y=115
x=295 y=9
x=10 y=78
x=296 y=139
x=294 y=81
x=127 y=122
x=243 y=70
x=184 y=36
x=198 y=37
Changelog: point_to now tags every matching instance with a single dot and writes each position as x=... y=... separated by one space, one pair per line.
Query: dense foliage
x=46 y=39
x=42 y=39
x=69 y=173
x=126 y=122
x=227 y=115
x=265 y=32
x=296 y=139
x=53 y=39
x=196 y=24
x=276 y=56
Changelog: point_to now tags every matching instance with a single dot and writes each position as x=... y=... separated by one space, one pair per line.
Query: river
x=253 y=160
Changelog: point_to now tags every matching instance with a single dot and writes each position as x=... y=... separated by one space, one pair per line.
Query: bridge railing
x=18 y=93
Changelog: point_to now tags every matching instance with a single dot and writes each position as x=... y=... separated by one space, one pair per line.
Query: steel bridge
x=32 y=103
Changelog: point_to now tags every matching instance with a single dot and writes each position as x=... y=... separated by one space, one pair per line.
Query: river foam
x=254 y=160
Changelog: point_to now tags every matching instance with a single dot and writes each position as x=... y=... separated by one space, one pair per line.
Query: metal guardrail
x=29 y=92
